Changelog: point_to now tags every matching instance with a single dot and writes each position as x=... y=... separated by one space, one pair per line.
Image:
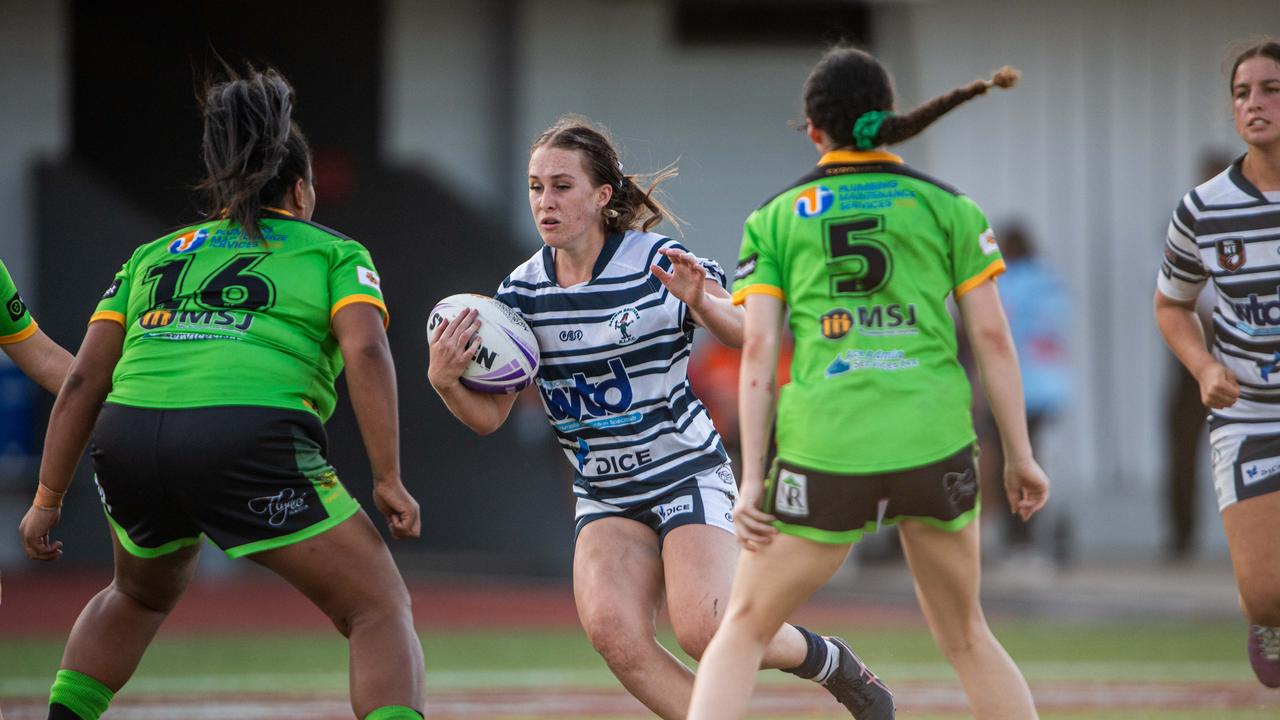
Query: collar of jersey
x=282 y=211
x=849 y=157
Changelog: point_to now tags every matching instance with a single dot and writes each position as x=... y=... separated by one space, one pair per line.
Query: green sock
x=394 y=712
x=80 y=694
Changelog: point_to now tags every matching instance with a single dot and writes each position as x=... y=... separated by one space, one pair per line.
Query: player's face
x=1255 y=93
x=566 y=206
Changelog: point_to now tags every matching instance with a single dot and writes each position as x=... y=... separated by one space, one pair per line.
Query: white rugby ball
x=507 y=359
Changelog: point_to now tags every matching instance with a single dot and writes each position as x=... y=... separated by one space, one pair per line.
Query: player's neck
x=1261 y=167
x=576 y=261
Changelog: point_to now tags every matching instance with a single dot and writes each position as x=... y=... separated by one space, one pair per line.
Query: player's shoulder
x=1227 y=190
x=530 y=272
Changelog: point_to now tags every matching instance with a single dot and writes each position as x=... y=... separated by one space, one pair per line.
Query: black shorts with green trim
x=251 y=478
x=840 y=509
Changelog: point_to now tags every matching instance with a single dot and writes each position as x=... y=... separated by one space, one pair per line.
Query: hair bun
x=1006 y=77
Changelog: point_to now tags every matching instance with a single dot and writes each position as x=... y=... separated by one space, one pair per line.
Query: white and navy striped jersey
x=1228 y=231
x=613 y=378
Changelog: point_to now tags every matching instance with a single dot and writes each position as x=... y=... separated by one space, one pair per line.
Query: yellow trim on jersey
x=111 y=315
x=21 y=335
x=350 y=299
x=740 y=296
x=844 y=157
x=995 y=268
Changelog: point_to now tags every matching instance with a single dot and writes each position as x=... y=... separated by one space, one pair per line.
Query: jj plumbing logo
x=277 y=508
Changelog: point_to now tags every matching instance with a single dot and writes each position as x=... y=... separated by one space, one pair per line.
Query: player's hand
x=35 y=527
x=1026 y=486
x=403 y=516
x=1218 y=386
x=687 y=279
x=750 y=523
x=453 y=343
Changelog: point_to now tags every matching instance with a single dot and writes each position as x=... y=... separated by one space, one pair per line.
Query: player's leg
x=617 y=585
x=1246 y=477
x=348 y=572
x=114 y=629
x=946 y=565
x=768 y=586
x=1253 y=534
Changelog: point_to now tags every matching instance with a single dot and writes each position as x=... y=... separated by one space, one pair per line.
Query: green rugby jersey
x=213 y=318
x=16 y=323
x=865 y=252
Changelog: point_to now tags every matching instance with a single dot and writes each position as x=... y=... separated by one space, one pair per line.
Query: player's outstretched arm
x=87 y=383
x=371 y=380
x=453 y=343
x=1025 y=482
x=710 y=305
x=41 y=359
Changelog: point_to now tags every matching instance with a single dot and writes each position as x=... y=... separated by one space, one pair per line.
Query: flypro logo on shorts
x=1255 y=471
x=682 y=505
x=280 y=506
x=960 y=486
x=792 y=494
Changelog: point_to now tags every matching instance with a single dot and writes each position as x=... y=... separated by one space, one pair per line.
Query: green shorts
x=839 y=509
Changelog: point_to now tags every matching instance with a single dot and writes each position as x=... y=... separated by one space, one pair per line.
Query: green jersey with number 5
x=865 y=252
x=214 y=318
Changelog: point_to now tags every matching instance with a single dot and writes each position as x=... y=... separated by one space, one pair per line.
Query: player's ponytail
x=633 y=203
x=849 y=96
x=253 y=151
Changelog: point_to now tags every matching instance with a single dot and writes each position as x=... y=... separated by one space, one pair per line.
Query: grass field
x=1172 y=671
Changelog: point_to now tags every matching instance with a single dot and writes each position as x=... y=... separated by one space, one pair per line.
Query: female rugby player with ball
x=614 y=307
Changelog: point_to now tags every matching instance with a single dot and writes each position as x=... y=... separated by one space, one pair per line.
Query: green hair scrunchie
x=867 y=126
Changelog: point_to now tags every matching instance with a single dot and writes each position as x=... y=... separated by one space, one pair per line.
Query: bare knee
x=623 y=644
x=157 y=598
x=694 y=635
x=383 y=605
x=963 y=639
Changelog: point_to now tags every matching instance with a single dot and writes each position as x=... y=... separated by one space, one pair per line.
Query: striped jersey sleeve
x=1182 y=274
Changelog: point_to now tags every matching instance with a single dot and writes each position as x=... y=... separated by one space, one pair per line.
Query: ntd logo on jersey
x=583 y=400
x=188 y=242
x=814 y=201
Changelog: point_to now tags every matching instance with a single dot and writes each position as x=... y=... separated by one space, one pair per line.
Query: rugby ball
x=507 y=359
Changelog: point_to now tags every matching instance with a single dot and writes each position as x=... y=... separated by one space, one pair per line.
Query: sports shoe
x=1264 y=654
x=856 y=687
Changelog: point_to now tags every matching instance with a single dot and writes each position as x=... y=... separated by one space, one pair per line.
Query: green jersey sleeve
x=759 y=270
x=975 y=257
x=16 y=324
x=353 y=279
x=114 y=305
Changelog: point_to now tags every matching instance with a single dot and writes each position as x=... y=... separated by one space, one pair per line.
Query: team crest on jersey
x=792 y=495
x=1230 y=254
x=814 y=201
x=622 y=322
x=188 y=242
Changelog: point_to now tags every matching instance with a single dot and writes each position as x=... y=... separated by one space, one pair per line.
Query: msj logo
x=583 y=398
x=814 y=201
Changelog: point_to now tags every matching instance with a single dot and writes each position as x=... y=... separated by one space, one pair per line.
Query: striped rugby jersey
x=1228 y=231
x=613 y=378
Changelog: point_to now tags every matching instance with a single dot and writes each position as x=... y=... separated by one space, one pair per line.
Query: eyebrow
x=553 y=177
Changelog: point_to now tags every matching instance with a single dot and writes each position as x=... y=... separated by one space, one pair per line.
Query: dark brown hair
x=631 y=205
x=253 y=151
x=1266 y=47
x=847 y=83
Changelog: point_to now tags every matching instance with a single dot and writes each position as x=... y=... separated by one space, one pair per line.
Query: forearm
x=721 y=318
x=757 y=403
x=482 y=412
x=371 y=380
x=1184 y=334
x=70 y=424
x=42 y=360
x=1001 y=378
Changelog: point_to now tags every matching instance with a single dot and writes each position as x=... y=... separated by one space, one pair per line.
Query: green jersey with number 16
x=214 y=318
x=865 y=252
